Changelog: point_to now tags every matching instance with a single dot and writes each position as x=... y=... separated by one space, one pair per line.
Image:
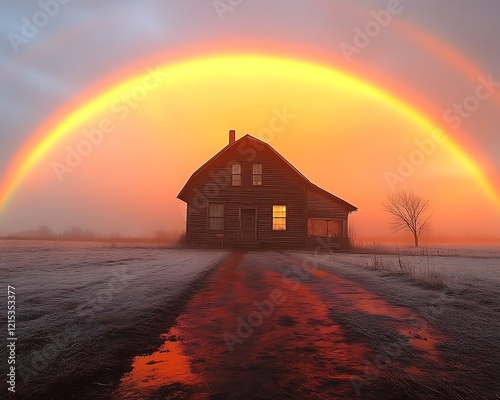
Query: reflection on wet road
x=268 y=326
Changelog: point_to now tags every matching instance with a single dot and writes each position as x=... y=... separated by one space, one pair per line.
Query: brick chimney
x=232 y=136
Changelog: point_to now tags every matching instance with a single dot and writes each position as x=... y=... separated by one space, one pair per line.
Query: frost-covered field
x=472 y=269
x=73 y=299
x=454 y=263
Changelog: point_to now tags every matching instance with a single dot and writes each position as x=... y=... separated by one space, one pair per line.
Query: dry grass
x=378 y=248
x=426 y=277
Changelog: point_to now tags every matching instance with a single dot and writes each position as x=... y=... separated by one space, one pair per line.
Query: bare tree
x=410 y=211
x=161 y=235
x=45 y=232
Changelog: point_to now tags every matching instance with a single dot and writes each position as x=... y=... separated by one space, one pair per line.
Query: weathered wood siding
x=319 y=206
x=280 y=186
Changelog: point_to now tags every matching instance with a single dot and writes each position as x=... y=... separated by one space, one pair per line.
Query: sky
x=108 y=107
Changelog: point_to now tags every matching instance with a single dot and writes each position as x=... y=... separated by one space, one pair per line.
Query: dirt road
x=269 y=326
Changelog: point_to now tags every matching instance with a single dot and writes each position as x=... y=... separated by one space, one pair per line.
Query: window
x=324 y=228
x=279 y=218
x=216 y=217
x=257 y=175
x=236 y=174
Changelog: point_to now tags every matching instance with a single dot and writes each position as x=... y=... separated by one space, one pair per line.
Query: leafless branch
x=410 y=211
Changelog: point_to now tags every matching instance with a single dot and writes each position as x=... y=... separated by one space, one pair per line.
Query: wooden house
x=249 y=196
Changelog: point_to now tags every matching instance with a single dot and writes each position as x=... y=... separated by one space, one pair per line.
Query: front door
x=248 y=225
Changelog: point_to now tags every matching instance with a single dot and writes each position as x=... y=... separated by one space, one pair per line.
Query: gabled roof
x=311 y=186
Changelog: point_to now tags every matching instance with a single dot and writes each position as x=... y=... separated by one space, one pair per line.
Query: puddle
x=166 y=366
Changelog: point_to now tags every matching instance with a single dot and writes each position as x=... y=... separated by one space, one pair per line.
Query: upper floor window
x=279 y=218
x=216 y=217
x=236 y=175
x=257 y=175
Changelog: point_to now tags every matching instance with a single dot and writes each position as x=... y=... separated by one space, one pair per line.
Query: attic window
x=279 y=218
x=257 y=175
x=236 y=174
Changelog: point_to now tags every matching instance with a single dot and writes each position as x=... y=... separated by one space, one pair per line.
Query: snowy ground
x=459 y=264
x=73 y=296
x=84 y=308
